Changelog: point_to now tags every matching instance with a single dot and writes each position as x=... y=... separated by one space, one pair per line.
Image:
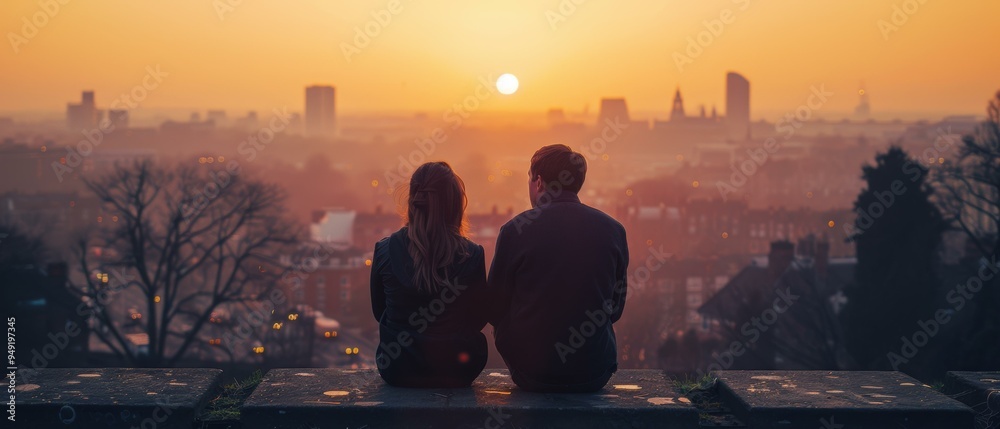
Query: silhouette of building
x=738 y=104
x=683 y=126
x=612 y=108
x=84 y=114
x=556 y=117
x=46 y=310
x=320 y=110
x=802 y=287
x=677 y=111
x=216 y=116
x=118 y=118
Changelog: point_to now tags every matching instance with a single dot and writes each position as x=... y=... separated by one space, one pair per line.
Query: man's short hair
x=559 y=167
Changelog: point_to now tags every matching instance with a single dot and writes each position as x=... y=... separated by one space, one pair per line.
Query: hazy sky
x=261 y=54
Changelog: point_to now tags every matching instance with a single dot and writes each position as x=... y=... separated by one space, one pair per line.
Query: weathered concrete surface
x=295 y=398
x=979 y=390
x=110 y=398
x=841 y=399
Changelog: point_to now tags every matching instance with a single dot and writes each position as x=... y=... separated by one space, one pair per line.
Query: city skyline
x=402 y=68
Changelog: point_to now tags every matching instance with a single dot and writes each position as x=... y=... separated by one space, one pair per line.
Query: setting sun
x=507 y=84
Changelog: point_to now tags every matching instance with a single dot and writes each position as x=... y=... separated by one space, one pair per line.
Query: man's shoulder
x=525 y=219
x=604 y=219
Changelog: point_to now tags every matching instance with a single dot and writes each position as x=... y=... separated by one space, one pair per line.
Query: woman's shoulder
x=473 y=249
x=391 y=244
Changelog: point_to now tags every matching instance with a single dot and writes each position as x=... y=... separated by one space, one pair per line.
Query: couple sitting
x=556 y=285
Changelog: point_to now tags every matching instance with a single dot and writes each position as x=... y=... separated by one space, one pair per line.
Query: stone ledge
x=319 y=398
x=849 y=399
x=112 y=398
x=979 y=390
x=294 y=398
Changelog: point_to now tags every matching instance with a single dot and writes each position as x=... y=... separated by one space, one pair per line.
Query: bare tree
x=970 y=196
x=188 y=241
x=971 y=185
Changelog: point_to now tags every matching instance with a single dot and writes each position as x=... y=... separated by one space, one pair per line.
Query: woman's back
x=451 y=308
x=428 y=283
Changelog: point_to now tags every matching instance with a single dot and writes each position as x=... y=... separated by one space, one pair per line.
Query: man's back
x=557 y=283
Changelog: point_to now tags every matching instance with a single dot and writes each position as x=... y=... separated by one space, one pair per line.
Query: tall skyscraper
x=320 y=110
x=82 y=115
x=738 y=105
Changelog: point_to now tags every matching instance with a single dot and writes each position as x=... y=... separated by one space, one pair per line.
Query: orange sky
x=261 y=54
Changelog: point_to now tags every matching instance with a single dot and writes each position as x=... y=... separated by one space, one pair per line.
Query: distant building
x=191 y=129
x=45 y=309
x=612 y=108
x=216 y=116
x=677 y=111
x=320 y=110
x=337 y=285
x=797 y=294
x=250 y=122
x=83 y=115
x=118 y=118
x=334 y=226
x=556 y=117
x=738 y=105
x=681 y=122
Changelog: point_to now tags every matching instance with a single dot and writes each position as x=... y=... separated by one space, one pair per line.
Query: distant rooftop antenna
x=864 y=109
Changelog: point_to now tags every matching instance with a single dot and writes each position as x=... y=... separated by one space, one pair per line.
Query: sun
x=507 y=84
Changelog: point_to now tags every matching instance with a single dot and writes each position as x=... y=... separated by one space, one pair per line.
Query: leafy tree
x=897 y=235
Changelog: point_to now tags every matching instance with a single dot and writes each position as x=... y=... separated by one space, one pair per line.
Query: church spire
x=677 y=113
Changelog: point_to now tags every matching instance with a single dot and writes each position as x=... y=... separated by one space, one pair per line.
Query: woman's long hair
x=435 y=216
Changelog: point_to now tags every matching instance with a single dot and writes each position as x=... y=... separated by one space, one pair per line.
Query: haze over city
x=801 y=185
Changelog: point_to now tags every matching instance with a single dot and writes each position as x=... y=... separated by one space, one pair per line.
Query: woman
x=427 y=285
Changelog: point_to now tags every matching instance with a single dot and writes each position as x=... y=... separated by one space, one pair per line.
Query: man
x=557 y=282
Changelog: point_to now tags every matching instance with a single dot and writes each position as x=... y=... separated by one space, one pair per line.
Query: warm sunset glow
x=640 y=204
x=507 y=84
x=260 y=54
